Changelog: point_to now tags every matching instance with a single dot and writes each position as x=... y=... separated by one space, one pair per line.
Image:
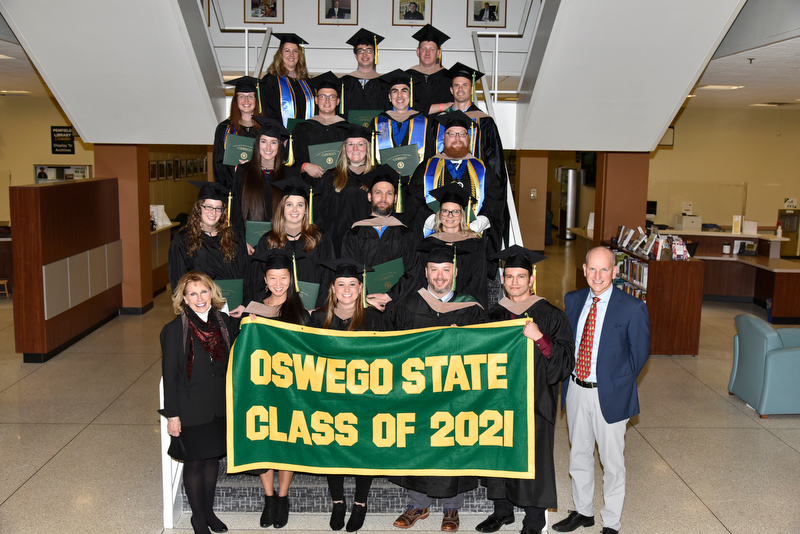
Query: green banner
x=451 y=401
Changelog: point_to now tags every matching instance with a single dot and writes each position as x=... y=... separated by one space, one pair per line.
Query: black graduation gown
x=271 y=98
x=373 y=95
x=363 y=244
x=225 y=174
x=207 y=259
x=471 y=276
x=237 y=217
x=336 y=211
x=430 y=143
x=373 y=320
x=414 y=312
x=199 y=400
x=493 y=205
x=312 y=132
x=548 y=373
x=430 y=89
x=309 y=268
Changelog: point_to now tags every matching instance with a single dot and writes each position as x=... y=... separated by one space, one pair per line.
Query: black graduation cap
x=454 y=118
x=276 y=258
x=452 y=192
x=356 y=130
x=381 y=173
x=290 y=38
x=326 y=80
x=293 y=186
x=517 y=256
x=364 y=36
x=459 y=69
x=245 y=84
x=439 y=252
x=271 y=128
x=397 y=77
x=429 y=33
x=211 y=190
x=347 y=268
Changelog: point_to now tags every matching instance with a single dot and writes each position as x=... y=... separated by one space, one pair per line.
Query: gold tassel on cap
x=534 y=280
x=290 y=158
x=411 y=92
x=341 y=101
x=455 y=268
x=375 y=39
x=258 y=95
x=364 y=288
x=294 y=274
x=311 y=206
x=373 y=149
x=230 y=196
x=399 y=195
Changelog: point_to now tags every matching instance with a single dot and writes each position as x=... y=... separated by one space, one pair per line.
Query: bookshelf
x=673 y=291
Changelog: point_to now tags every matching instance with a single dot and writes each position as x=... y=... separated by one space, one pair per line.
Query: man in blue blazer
x=612 y=340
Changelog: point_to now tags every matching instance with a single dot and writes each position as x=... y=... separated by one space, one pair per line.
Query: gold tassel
x=373 y=149
x=375 y=39
x=341 y=101
x=258 y=94
x=534 y=280
x=411 y=92
x=455 y=268
x=399 y=195
x=294 y=274
x=469 y=210
x=230 y=196
x=473 y=86
x=364 y=289
x=311 y=206
x=290 y=159
x=472 y=138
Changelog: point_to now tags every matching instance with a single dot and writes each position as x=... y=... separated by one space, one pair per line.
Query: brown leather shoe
x=450 y=520
x=411 y=516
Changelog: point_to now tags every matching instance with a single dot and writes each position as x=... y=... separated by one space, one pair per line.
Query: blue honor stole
x=417 y=129
x=473 y=178
x=287 y=99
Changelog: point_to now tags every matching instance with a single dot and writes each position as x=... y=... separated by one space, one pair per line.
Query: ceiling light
x=15 y=92
x=765 y=105
x=720 y=87
x=3 y=56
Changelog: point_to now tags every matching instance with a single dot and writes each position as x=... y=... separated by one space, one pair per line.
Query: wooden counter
x=710 y=243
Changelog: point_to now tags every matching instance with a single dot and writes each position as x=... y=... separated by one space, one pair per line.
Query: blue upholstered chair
x=766 y=366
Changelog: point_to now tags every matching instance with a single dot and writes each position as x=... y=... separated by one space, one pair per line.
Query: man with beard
x=456 y=164
x=431 y=92
x=437 y=304
x=382 y=237
x=363 y=88
x=553 y=361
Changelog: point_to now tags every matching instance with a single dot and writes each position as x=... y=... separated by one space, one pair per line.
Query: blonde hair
x=342 y=170
x=278 y=69
x=330 y=304
x=178 y=304
x=463 y=226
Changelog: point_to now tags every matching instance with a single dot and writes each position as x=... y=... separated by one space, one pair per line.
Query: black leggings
x=199 y=483
x=336 y=486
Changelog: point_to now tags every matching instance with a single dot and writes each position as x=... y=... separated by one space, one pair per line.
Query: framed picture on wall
x=340 y=12
x=483 y=14
x=411 y=12
x=176 y=169
x=153 y=171
x=162 y=170
x=266 y=11
x=183 y=168
x=170 y=170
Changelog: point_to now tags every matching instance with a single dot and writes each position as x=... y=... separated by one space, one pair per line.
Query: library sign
x=62 y=140
x=451 y=401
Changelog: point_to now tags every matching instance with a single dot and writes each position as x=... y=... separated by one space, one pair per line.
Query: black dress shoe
x=357 y=515
x=281 y=511
x=494 y=522
x=573 y=521
x=529 y=530
x=337 y=515
x=609 y=530
x=216 y=524
x=268 y=515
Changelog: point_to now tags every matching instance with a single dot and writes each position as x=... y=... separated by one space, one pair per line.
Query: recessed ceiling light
x=690 y=96
x=721 y=87
x=765 y=105
x=3 y=56
x=15 y=92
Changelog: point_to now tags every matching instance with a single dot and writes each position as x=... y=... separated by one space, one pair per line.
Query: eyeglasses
x=328 y=97
x=365 y=51
x=246 y=96
x=211 y=209
x=356 y=145
x=459 y=135
x=450 y=213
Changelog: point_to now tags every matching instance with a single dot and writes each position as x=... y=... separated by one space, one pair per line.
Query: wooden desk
x=710 y=243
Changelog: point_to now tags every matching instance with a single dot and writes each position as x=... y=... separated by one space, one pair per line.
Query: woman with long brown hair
x=252 y=187
x=195 y=348
x=286 y=93
x=207 y=243
x=293 y=231
x=342 y=199
x=344 y=310
x=244 y=106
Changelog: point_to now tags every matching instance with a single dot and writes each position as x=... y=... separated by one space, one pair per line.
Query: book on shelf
x=627 y=239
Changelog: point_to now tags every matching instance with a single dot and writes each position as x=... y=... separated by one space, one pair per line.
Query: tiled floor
x=79 y=438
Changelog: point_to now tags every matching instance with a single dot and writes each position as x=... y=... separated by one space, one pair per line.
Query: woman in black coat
x=195 y=348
